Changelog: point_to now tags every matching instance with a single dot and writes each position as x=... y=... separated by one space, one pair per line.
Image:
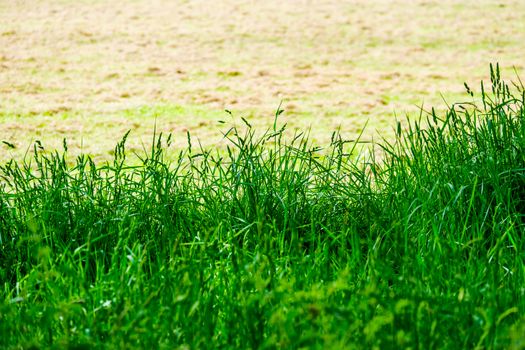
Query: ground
x=90 y=70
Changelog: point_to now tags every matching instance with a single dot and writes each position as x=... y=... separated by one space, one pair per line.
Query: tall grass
x=275 y=243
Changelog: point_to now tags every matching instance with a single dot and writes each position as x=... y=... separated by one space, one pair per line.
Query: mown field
x=274 y=243
x=90 y=70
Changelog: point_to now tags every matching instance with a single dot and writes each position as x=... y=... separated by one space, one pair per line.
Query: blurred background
x=90 y=70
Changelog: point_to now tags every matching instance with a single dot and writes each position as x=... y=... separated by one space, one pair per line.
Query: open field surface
x=90 y=70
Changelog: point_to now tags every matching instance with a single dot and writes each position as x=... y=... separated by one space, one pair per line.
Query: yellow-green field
x=90 y=70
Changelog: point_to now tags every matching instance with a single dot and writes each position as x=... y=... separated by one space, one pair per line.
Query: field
x=155 y=193
x=276 y=244
x=89 y=71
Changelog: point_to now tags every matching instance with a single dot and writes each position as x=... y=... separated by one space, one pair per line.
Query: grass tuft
x=274 y=242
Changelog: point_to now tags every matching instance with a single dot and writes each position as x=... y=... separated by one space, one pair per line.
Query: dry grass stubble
x=90 y=70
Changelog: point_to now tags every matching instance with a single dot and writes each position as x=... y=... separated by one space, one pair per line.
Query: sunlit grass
x=273 y=242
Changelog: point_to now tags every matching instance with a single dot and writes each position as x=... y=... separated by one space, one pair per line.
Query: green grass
x=275 y=243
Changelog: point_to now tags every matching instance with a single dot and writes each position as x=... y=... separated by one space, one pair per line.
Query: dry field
x=90 y=70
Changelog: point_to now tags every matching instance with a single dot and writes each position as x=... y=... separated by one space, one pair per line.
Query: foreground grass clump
x=275 y=243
